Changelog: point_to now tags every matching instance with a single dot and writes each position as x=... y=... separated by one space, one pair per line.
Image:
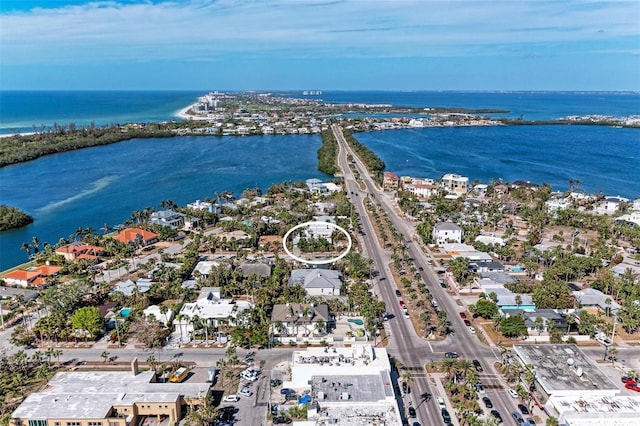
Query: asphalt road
x=404 y=344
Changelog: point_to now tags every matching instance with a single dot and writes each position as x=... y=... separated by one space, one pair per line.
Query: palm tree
x=36 y=245
x=26 y=247
x=105 y=355
x=613 y=352
x=408 y=378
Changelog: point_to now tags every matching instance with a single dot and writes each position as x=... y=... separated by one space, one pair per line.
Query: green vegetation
x=20 y=148
x=328 y=153
x=513 y=326
x=12 y=217
x=374 y=164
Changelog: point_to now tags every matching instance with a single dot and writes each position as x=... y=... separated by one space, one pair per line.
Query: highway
x=404 y=343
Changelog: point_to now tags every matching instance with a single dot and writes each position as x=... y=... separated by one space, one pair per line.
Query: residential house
x=170 y=218
x=490 y=266
x=446 y=232
x=155 y=312
x=455 y=184
x=299 y=320
x=631 y=219
x=203 y=205
x=128 y=287
x=260 y=269
x=507 y=300
x=136 y=237
x=317 y=281
x=420 y=187
x=79 y=251
x=610 y=205
x=547 y=317
x=592 y=298
x=212 y=309
x=390 y=181
x=39 y=276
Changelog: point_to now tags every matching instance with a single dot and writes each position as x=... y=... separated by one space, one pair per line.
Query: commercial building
x=108 y=398
x=346 y=386
x=563 y=370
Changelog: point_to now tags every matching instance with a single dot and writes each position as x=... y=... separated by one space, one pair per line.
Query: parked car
x=245 y=391
x=441 y=403
x=467 y=323
x=451 y=355
x=496 y=414
x=402 y=304
x=513 y=393
x=291 y=397
x=477 y=365
x=412 y=412
x=626 y=379
x=445 y=416
x=517 y=417
x=463 y=315
x=398 y=293
x=472 y=330
x=416 y=423
x=286 y=391
x=276 y=382
x=523 y=409
x=632 y=386
x=487 y=402
x=231 y=398
x=406 y=388
x=434 y=303
x=531 y=421
x=479 y=388
x=281 y=420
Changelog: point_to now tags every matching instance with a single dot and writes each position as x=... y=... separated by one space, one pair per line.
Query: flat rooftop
x=365 y=388
x=359 y=414
x=597 y=410
x=557 y=369
x=91 y=394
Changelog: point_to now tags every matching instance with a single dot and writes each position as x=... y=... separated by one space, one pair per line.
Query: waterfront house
x=170 y=218
x=390 y=181
x=455 y=184
x=136 y=237
x=33 y=276
x=79 y=251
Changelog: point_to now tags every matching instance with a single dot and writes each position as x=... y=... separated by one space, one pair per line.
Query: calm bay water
x=604 y=160
x=91 y=187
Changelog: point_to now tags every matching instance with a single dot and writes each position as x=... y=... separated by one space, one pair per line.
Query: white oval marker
x=317 y=262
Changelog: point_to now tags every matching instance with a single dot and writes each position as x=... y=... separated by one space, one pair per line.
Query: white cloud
x=200 y=29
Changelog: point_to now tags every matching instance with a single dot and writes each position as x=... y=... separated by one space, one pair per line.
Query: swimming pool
x=356 y=321
x=125 y=312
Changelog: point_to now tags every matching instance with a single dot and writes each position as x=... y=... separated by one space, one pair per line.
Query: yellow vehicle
x=179 y=375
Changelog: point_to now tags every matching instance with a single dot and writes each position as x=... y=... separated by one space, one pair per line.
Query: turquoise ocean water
x=91 y=187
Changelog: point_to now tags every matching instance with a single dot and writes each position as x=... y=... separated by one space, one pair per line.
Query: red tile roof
x=129 y=235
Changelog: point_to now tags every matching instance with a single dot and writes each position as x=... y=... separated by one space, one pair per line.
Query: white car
x=472 y=330
x=245 y=391
x=513 y=393
x=231 y=398
x=441 y=403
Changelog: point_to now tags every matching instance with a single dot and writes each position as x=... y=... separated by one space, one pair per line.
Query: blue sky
x=324 y=44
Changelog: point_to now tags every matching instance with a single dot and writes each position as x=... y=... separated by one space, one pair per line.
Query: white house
x=211 y=309
x=446 y=232
x=455 y=184
x=611 y=205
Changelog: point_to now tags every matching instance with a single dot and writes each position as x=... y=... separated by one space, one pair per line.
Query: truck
x=179 y=375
